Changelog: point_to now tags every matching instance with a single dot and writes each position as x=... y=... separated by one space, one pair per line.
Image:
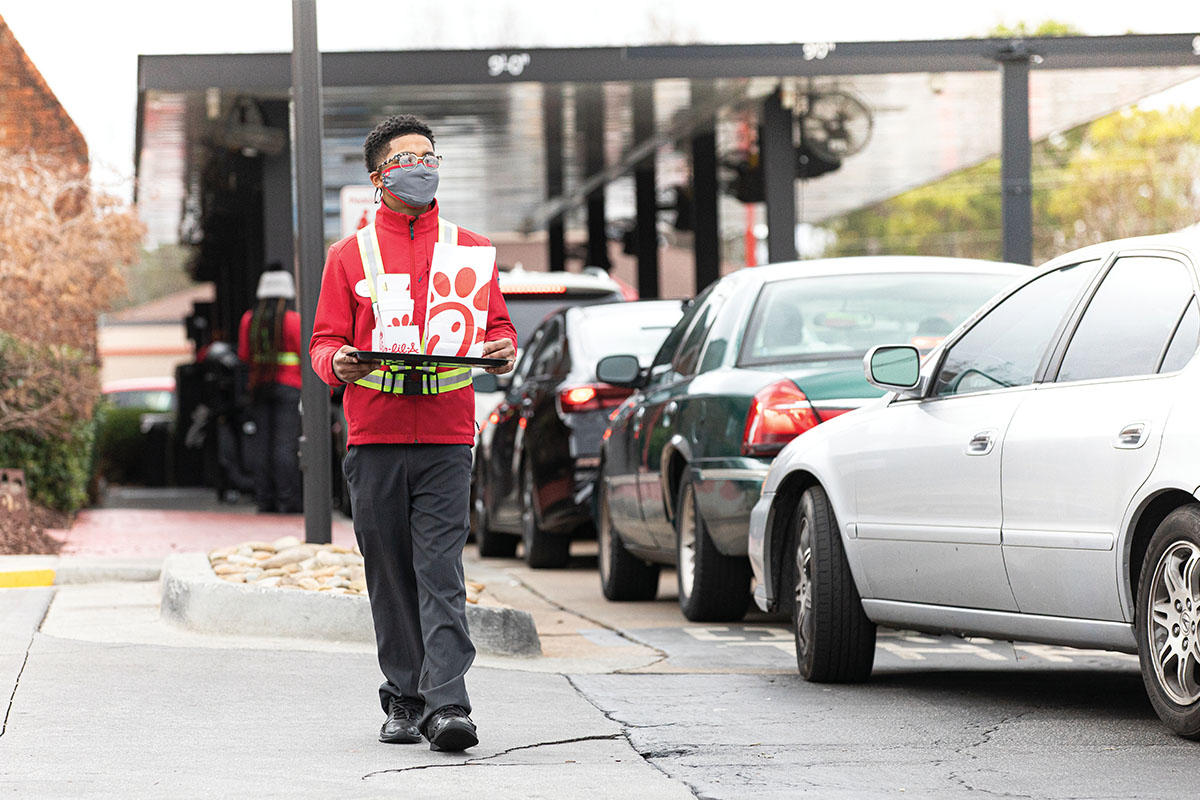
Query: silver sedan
x=1035 y=478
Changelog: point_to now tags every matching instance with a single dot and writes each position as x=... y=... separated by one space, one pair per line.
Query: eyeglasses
x=410 y=161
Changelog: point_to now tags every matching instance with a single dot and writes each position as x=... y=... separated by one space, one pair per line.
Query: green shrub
x=119 y=443
x=57 y=470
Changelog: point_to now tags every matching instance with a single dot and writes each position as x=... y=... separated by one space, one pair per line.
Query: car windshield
x=846 y=315
x=638 y=334
x=528 y=310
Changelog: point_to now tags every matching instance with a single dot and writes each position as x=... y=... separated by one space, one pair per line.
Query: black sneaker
x=450 y=730
x=401 y=727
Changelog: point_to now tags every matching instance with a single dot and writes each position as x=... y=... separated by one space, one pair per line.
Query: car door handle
x=1132 y=436
x=981 y=443
x=668 y=412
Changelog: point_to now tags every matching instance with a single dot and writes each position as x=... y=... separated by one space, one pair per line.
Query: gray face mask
x=415 y=187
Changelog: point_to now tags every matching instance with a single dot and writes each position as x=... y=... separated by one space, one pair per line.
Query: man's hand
x=500 y=348
x=348 y=368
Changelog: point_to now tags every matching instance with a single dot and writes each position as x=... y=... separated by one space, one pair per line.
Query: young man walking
x=410 y=436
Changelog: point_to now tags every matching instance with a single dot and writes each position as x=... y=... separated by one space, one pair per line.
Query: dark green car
x=759 y=357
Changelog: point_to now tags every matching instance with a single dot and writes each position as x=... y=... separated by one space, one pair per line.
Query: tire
x=713 y=587
x=1168 y=606
x=491 y=544
x=835 y=642
x=623 y=576
x=542 y=550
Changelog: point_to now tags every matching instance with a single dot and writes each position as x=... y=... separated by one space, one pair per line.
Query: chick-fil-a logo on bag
x=460 y=287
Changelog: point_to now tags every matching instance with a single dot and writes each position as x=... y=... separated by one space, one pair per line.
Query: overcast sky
x=87 y=50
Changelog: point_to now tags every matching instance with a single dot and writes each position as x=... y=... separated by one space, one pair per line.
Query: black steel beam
x=269 y=71
x=705 y=229
x=552 y=128
x=1016 y=160
x=589 y=120
x=778 y=154
x=645 y=181
x=316 y=449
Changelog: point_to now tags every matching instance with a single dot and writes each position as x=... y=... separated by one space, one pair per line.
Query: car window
x=528 y=309
x=1183 y=343
x=1006 y=347
x=844 y=316
x=684 y=363
x=639 y=333
x=1129 y=320
x=546 y=361
x=666 y=353
x=521 y=372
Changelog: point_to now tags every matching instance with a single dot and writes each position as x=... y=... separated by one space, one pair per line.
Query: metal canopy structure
x=577 y=160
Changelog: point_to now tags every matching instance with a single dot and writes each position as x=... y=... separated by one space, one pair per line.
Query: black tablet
x=420 y=360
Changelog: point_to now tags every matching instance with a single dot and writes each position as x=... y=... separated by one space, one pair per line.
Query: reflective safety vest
x=282 y=359
x=403 y=379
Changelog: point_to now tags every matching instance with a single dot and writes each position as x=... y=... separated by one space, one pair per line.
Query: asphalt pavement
x=103 y=698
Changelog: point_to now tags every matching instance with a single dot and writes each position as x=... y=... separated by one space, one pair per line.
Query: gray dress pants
x=410 y=504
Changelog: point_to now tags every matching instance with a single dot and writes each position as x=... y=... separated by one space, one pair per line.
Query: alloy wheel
x=1171 y=620
x=687 y=542
x=803 y=587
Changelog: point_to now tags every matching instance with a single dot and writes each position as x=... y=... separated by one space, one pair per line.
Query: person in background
x=269 y=341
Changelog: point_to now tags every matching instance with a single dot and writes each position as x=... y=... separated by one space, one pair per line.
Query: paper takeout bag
x=457 y=307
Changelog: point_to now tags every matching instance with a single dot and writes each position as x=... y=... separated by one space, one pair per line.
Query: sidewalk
x=108 y=700
x=179 y=714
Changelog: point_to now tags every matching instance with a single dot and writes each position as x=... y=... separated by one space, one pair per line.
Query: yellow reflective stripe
x=448 y=381
x=284 y=359
x=373 y=381
x=368 y=251
x=450 y=387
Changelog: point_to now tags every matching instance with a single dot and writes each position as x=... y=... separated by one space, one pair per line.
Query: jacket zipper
x=412 y=237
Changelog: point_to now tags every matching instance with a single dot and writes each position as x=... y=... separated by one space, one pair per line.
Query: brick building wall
x=31 y=118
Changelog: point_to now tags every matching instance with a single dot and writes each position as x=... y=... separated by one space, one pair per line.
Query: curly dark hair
x=375 y=146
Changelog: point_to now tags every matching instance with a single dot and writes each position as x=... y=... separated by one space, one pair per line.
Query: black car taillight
x=591 y=397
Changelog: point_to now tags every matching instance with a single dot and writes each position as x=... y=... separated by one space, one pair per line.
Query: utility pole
x=309 y=189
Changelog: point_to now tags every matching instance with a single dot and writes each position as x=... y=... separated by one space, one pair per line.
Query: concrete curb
x=193 y=597
x=27 y=571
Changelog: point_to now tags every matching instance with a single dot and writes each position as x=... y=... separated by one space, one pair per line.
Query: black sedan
x=536 y=458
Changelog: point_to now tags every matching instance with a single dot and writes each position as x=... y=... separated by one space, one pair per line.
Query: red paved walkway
x=137 y=533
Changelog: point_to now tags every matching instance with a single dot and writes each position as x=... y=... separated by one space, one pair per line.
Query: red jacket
x=286 y=374
x=344 y=316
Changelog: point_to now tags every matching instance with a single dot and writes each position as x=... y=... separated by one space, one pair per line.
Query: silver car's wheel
x=1171 y=616
x=835 y=641
x=1168 y=620
x=803 y=613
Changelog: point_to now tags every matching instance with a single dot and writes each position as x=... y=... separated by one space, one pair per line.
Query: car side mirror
x=893 y=368
x=621 y=370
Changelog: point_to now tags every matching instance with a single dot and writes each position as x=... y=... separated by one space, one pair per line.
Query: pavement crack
x=660 y=654
x=12 y=697
x=625 y=728
x=481 y=760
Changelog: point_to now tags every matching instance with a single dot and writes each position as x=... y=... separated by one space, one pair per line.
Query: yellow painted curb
x=27 y=577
